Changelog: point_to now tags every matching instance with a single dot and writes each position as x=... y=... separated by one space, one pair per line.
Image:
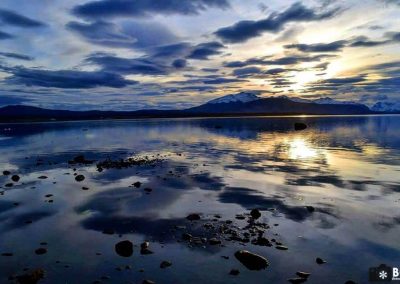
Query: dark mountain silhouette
x=233 y=105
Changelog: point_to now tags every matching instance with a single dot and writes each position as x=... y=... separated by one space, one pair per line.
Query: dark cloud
x=204 y=50
x=4 y=35
x=141 y=8
x=16 y=56
x=287 y=60
x=142 y=65
x=13 y=19
x=319 y=47
x=244 y=30
x=246 y=71
x=362 y=41
x=65 y=79
x=219 y=81
x=179 y=63
x=128 y=35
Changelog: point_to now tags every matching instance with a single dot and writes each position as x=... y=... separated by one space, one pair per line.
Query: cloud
x=246 y=71
x=16 y=56
x=65 y=79
x=275 y=22
x=179 y=63
x=143 y=65
x=4 y=35
x=130 y=34
x=219 y=81
x=204 y=50
x=319 y=47
x=141 y=8
x=13 y=19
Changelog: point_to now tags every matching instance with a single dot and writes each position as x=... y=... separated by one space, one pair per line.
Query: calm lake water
x=346 y=168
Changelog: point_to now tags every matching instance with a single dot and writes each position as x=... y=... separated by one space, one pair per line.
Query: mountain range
x=241 y=104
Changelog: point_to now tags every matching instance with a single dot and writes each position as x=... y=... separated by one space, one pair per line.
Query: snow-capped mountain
x=243 y=97
x=320 y=101
x=386 y=107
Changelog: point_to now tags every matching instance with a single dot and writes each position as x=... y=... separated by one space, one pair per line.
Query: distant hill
x=245 y=103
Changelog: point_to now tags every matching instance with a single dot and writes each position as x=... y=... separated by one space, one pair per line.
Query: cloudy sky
x=133 y=54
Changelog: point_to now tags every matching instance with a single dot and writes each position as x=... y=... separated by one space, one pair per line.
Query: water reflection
x=344 y=168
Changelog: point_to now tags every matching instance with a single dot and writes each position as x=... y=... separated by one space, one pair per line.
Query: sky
x=174 y=54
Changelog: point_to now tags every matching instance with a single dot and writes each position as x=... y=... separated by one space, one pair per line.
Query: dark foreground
x=181 y=201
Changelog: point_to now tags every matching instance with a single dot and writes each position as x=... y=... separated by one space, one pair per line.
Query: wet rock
x=299 y=126
x=80 y=178
x=193 y=217
x=124 y=248
x=186 y=237
x=234 y=272
x=15 y=178
x=42 y=177
x=48 y=195
x=280 y=247
x=147 y=189
x=262 y=241
x=214 y=241
x=6 y=173
x=85 y=188
x=303 y=274
x=32 y=277
x=148 y=282
x=80 y=159
x=297 y=280
x=252 y=261
x=137 y=184
x=310 y=209
x=10 y=184
x=165 y=264
x=320 y=260
x=255 y=213
x=41 y=251
x=144 y=248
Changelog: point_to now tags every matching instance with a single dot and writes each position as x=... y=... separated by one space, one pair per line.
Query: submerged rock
x=137 y=184
x=32 y=277
x=299 y=126
x=80 y=178
x=255 y=213
x=6 y=173
x=15 y=178
x=41 y=251
x=234 y=272
x=320 y=260
x=165 y=264
x=124 y=248
x=310 y=209
x=252 y=261
x=193 y=217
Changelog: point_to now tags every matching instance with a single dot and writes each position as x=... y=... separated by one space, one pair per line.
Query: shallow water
x=347 y=168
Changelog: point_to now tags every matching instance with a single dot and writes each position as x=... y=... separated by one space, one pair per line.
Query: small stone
x=234 y=272
x=147 y=189
x=85 y=188
x=297 y=280
x=6 y=173
x=137 y=184
x=251 y=260
x=148 y=282
x=303 y=274
x=320 y=260
x=186 y=237
x=41 y=251
x=80 y=178
x=255 y=213
x=299 y=126
x=280 y=247
x=15 y=178
x=10 y=184
x=48 y=195
x=42 y=177
x=193 y=217
x=310 y=209
x=350 y=282
x=7 y=254
x=124 y=248
x=214 y=241
x=32 y=277
x=165 y=264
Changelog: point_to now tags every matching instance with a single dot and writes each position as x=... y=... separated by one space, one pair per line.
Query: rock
x=144 y=248
x=80 y=178
x=80 y=159
x=165 y=264
x=350 y=282
x=186 y=237
x=145 y=245
x=42 y=177
x=252 y=261
x=41 y=251
x=303 y=274
x=234 y=272
x=147 y=189
x=255 y=213
x=280 y=247
x=299 y=126
x=7 y=254
x=6 y=173
x=214 y=241
x=15 y=178
x=320 y=260
x=137 y=184
x=193 y=217
x=48 y=195
x=85 y=188
x=297 y=280
x=262 y=241
x=310 y=209
x=124 y=248
x=148 y=282
x=10 y=184
x=31 y=277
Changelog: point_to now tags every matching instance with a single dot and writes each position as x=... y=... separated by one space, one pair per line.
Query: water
x=347 y=168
